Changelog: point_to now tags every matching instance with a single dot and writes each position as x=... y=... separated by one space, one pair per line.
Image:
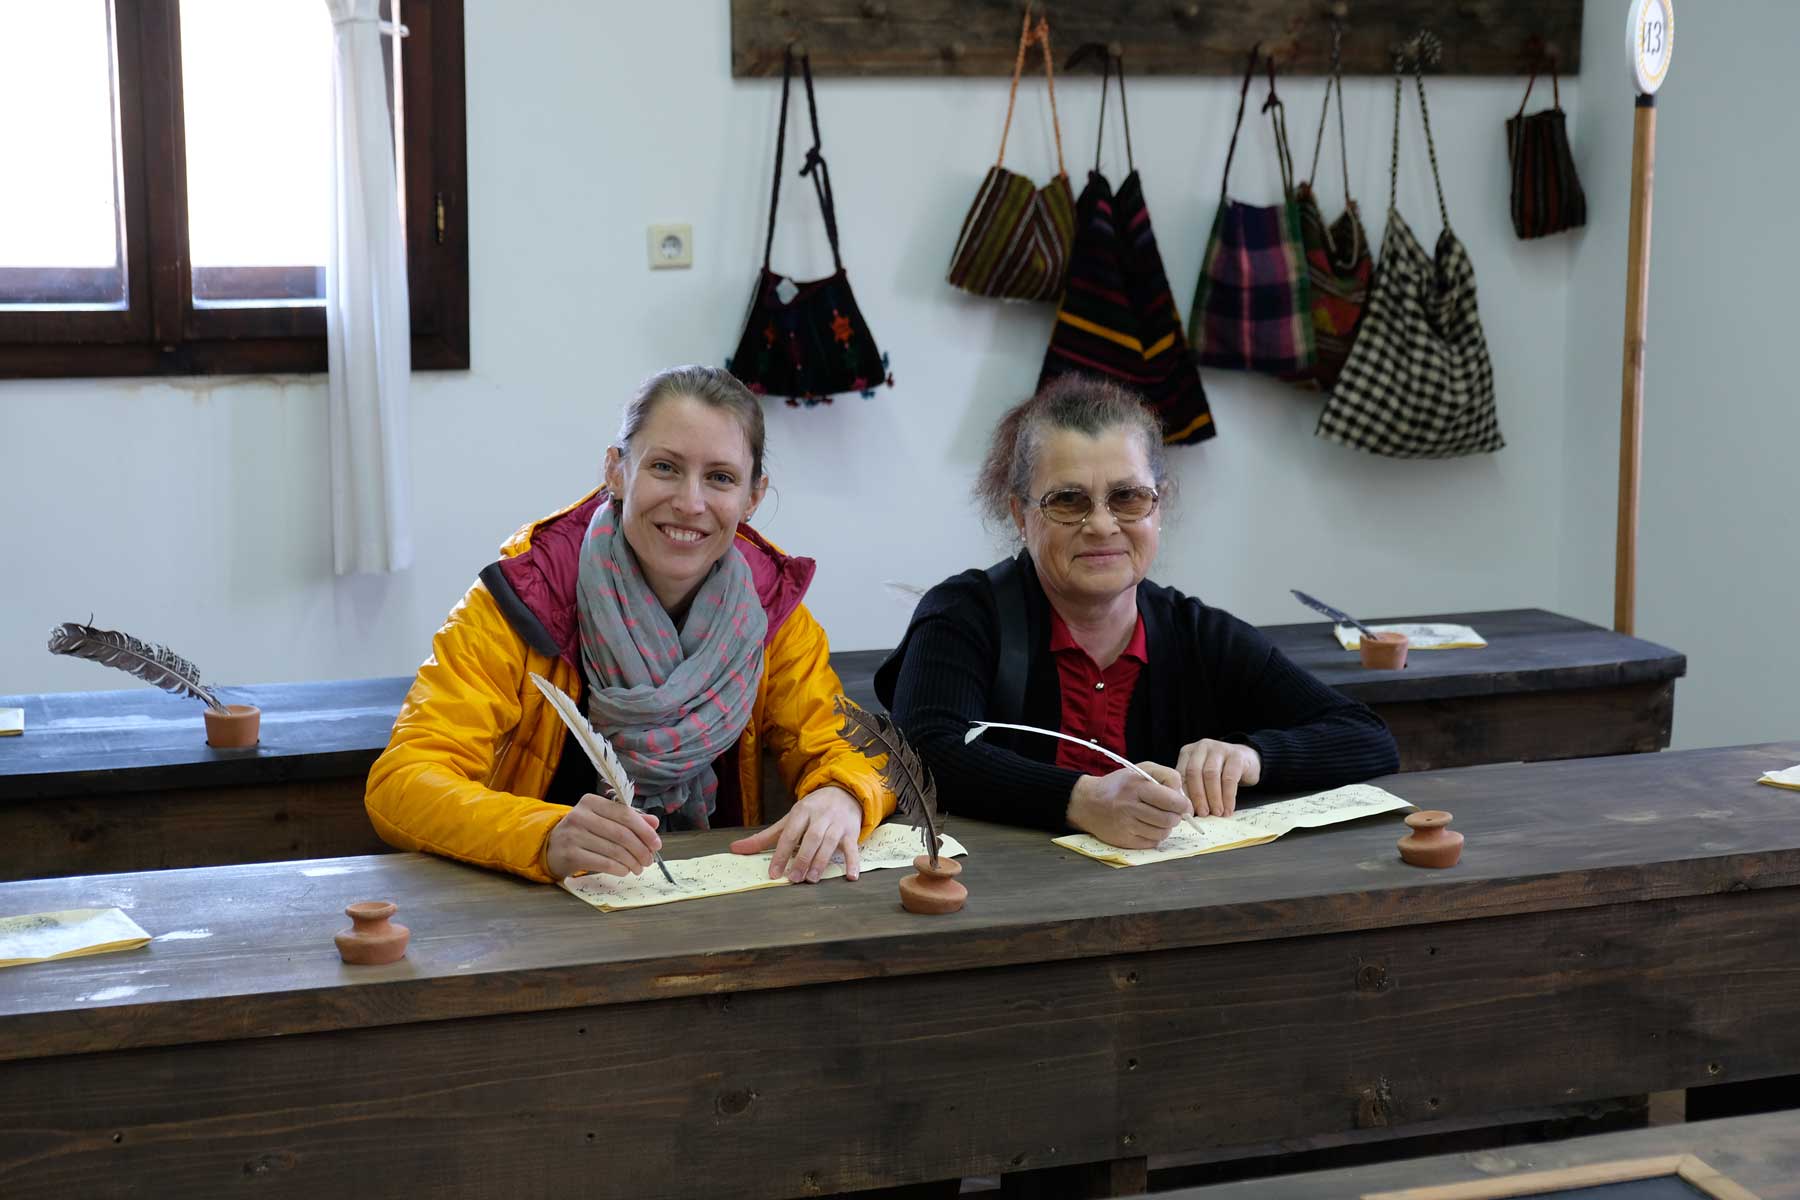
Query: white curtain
x=366 y=321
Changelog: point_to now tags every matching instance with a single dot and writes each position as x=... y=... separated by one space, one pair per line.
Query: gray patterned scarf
x=670 y=701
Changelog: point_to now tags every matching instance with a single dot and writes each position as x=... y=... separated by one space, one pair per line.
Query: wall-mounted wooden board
x=1159 y=37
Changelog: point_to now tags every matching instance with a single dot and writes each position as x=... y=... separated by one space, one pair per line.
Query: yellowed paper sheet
x=1246 y=827
x=12 y=722
x=38 y=937
x=891 y=845
x=1419 y=637
x=1789 y=778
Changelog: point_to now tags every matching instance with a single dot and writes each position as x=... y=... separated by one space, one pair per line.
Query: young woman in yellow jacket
x=678 y=629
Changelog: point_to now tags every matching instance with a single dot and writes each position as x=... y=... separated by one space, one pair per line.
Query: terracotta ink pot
x=372 y=939
x=241 y=725
x=1387 y=652
x=933 y=890
x=1432 y=843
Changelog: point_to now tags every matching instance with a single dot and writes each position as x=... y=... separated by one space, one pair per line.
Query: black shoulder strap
x=1007 y=701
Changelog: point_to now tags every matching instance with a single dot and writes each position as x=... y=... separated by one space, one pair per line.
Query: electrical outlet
x=671 y=246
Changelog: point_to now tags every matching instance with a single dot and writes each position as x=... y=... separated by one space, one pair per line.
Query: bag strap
x=1030 y=35
x=1421 y=50
x=1555 y=86
x=1007 y=701
x=1099 y=138
x=1336 y=81
x=815 y=160
x=1243 y=93
x=1278 y=119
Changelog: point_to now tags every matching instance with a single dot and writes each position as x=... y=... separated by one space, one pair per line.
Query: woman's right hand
x=602 y=836
x=1128 y=811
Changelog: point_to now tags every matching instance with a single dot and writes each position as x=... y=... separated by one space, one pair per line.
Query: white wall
x=195 y=512
x=1717 y=569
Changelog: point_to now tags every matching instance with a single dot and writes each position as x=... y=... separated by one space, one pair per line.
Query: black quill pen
x=151 y=663
x=1342 y=618
x=874 y=734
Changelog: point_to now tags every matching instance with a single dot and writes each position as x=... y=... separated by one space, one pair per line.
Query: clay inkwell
x=372 y=939
x=1431 y=842
x=227 y=725
x=1379 y=651
x=933 y=888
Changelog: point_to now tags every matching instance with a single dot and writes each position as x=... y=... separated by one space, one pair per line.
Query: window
x=168 y=203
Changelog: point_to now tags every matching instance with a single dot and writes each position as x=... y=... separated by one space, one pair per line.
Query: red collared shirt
x=1094 y=702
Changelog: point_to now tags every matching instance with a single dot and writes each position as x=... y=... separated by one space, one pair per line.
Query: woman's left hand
x=1212 y=772
x=820 y=824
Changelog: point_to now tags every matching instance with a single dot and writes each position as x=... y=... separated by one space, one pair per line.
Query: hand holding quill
x=598 y=750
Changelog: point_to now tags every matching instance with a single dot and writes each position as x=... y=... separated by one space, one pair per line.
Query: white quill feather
x=599 y=750
x=977 y=728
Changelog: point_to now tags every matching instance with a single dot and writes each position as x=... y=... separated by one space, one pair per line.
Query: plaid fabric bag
x=1118 y=318
x=806 y=340
x=1546 y=193
x=1418 y=383
x=1338 y=263
x=1253 y=303
x=1016 y=238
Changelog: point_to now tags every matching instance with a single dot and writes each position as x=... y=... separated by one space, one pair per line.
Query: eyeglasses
x=1072 y=506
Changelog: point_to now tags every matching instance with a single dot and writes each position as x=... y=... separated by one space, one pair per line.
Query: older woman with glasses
x=1071 y=636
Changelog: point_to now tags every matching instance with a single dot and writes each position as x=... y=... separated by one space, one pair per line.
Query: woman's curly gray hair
x=1074 y=402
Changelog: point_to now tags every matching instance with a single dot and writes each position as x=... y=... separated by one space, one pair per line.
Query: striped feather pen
x=877 y=737
x=148 y=661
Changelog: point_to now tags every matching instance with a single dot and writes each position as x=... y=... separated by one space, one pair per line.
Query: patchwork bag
x=806 y=341
x=1016 y=239
x=1253 y=302
x=1546 y=193
x=1338 y=263
x=1418 y=382
x=1118 y=318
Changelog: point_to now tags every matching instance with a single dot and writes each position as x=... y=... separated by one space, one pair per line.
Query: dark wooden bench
x=124 y=781
x=1616 y=926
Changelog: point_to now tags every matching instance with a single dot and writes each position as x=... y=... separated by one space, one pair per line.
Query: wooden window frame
x=161 y=331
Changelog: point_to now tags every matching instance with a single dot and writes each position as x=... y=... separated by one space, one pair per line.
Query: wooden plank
x=980 y=37
x=187 y=827
x=1435 y=734
x=1541 y=837
x=1761 y=1153
x=896 y=1079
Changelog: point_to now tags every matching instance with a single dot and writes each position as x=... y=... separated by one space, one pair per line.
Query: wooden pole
x=1631 y=415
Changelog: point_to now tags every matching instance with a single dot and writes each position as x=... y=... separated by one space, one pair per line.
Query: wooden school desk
x=1760 y=1153
x=1616 y=926
x=124 y=781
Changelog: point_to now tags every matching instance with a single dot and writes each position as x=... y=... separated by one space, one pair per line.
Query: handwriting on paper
x=891 y=845
x=1246 y=827
x=1419 y=636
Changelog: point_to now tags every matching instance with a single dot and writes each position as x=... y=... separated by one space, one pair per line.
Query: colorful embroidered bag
x=806 y=341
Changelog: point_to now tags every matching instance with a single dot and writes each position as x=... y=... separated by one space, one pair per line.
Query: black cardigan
x=1209 y=675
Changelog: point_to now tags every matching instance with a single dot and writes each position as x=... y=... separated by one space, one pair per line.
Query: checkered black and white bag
x=1418 y=383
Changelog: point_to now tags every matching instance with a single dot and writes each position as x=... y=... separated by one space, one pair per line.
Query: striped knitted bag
x=1546 y=193
x=1118 y=318
x=1015 y=241
x=1338 y=263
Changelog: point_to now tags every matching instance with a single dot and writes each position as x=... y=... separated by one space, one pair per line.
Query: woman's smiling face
x=684 y=484
x=1094 y=561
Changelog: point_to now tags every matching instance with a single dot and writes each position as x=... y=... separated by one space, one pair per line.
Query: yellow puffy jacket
x=476 y=745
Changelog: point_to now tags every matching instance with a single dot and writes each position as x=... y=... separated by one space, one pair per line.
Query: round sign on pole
x=1650 y=42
